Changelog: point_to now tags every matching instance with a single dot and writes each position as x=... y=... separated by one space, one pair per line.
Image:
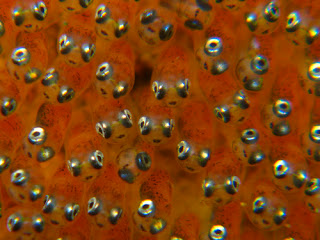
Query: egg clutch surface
x=160 y=119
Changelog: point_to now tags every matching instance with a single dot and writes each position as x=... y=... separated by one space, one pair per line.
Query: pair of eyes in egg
x=160 y=88
x=39 y=11
x=145 y=124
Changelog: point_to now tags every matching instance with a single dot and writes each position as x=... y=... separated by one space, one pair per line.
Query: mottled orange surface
x=159 y=119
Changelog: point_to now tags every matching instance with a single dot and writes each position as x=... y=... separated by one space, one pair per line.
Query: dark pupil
x=142 y=124
x=180 y=149
x=68 y=96
x=235 y=184
x=283 y=106
x=290 y=20
x=146 y=206
x=250 y=133
x=36 y=134
x=145 y=160
x=218 y=232
x=261 y=63
x=213 y=45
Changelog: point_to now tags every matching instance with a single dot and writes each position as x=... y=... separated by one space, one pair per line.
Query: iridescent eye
x=38 y=223
x=182 y=87
x=40 y=10
x=281 y=129
x=8 y=106
x=282 y=108
x=183 y=150
x=167 y=127
x=66 y=94
x=122 y=27
x=146 y=208
x=36 y=192
x=143 y=161
x=19 y=177
x=148 y=16
x=259 y=64
x=315 y=133
x=37 y=136
x=74 y=166
x=271 y=12
x=94 y=206
x=219 y=67
x=51 y=77
x=241 y=100
x=66 y=44
x=18 y=16
x=157 y=225
x=252 y=21
x=312 y=35
x=254 y=84
x=14 y=222
x=145 y=125
x=49 y=204
x=45 y=154
x=312 y=187
x=32 y=75
x=208 y=187
x=217 y=232
x=281 y=168
x=259 y=204
x=204 y=5
x=71 y=210
x=280 y=216
x=87 y=51
x=232 y=185
x=159 y=89
x=299 y=178
x=204 y=157
x=20 y=56
x=85 y=3
x=2 y=29
x=213 y=46
x=293 y=22
x=96 y=159
x=126 y=175
x=114 y=215
x=4 y=163
x=166 y=32
x=104 y=129
x=250 y=136
x=120 y=89
x=102 y=14
x=256 y=157
x=314 y=71
x=104 y=72
x=125 y=118
x=193 y=24
x=222 y=113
